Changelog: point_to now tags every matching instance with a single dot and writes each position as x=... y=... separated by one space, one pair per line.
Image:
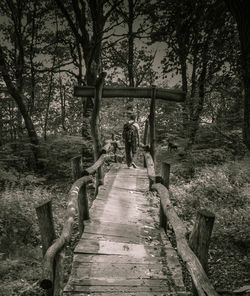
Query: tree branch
x=69 y=19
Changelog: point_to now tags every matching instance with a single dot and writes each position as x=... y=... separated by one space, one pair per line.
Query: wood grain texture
x=120 y=251
x=134 y=92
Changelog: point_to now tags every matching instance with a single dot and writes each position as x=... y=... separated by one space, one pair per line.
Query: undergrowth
x=21 y=190
x=223 y=189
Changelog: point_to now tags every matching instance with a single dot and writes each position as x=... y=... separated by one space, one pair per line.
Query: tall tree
x=192 y=29
x=13 y=66
x=87 y=21
x=241 y=10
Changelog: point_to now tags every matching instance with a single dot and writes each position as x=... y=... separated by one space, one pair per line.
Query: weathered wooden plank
x=117 y=259
x=132 y=92
x=112 y=248
x=121 y=197
x=116 y=229
x=150 y=292
x=100 y=237
x=139 y=290
x=124 y=219
x=115 y=270
x=125 y=293
x=121 y=259
x=116 y=205
x=121 y=283
x=112 y=229
x=148 y=235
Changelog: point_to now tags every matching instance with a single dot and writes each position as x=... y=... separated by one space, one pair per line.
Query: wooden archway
x=131 y=92
x=135 y=92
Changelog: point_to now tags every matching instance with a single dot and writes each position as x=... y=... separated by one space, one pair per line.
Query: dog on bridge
x=172 y=146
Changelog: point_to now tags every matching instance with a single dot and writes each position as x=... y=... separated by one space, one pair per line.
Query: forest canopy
x=51 y=46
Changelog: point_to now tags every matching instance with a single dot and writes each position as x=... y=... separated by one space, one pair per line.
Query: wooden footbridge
x=121 y=251
x=123 y=248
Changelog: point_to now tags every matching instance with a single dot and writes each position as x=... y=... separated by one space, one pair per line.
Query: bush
x=209 y=156
x=224 y=190
x=18 y=224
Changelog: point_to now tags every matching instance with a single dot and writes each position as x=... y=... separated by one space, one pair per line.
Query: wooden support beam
x=152 y=123
x=59 y=273
x=200 y=238
x=46 y=225
x=131 y=92
x=76 y=167
x=150 y=169
x=146 y=138
x=115 y=147
x=83 y=208
x=165 y=172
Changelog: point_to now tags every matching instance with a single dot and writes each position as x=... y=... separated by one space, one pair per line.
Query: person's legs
x=128 y=152
x=133 y=148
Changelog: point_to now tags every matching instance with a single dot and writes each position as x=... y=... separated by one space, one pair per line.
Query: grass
x=20 y=244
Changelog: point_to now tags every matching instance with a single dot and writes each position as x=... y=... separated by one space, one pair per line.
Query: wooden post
x=46 y=225
x=146 y=138
x=76 y=167
x=146 y=133
x=59 y=272
x=165 y=172
x=200 y=238
x=115 y=147
x=152 y=123
x=95 y=132
x=163 y=218
x=83 y=207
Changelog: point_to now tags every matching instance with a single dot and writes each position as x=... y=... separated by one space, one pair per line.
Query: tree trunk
x=63 y=107
x=95 y=127
x=131 y=44
x=184 y=89
x=241 y=11
x=195 y=119
x=22 y=108
x=1 y=122
x=32 y=66
x=47 y=106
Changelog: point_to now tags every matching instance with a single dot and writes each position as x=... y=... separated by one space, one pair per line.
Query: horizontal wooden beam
x=131 y=92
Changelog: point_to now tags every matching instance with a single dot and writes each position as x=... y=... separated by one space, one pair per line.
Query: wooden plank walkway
x=121 y=251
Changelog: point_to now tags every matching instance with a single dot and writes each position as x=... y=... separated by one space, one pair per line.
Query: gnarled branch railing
x=78 y=202
x=167 y=214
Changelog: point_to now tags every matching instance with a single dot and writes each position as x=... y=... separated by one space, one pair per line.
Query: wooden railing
x=53 y=250
x=193 y=253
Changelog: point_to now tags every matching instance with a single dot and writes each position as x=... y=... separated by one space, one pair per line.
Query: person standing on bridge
x=131 y=139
